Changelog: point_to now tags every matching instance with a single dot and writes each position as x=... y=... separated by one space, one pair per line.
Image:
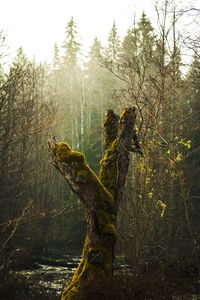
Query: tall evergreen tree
x=113 y=44
x=71 y=45
x=56 y=56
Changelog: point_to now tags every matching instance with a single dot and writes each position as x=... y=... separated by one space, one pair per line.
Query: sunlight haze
x=36 y=25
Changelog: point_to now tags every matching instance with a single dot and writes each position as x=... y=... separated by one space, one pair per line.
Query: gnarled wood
x=100 y=197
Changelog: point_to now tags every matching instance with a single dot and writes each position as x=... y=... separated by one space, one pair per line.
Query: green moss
x=105 y=222
x=103 y=217
x=89 y=271
x=109 y=229
x=92 y=266
x=65 y=153
x=104 y=194
x=108 y=169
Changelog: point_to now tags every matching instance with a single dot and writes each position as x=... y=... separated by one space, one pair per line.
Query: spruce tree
x=71 y=45
x=113 y=44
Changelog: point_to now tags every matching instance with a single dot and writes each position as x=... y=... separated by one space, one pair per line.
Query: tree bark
x=101 y=197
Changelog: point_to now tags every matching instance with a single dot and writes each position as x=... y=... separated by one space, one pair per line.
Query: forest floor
x=48 y=278
x=125 y=287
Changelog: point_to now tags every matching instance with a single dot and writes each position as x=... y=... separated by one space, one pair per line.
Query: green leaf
x=178 y=158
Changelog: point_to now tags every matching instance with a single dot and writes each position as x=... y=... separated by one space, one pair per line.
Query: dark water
x=52 y=276
x=56 y=274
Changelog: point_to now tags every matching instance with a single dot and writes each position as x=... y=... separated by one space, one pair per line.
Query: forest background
x=158 y=221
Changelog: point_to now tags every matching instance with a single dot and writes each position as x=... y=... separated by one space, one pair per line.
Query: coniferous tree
x=113 y=47
x=56 y=56
x=71 y=45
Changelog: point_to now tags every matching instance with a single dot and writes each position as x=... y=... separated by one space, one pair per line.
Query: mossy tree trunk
x=100 y=197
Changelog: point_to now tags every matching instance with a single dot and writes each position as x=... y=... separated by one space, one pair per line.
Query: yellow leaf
x=178 y=158
x=188 y=144
x=161 y=206
x=150 y=195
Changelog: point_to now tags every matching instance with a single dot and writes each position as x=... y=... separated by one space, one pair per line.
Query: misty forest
x=100 y=165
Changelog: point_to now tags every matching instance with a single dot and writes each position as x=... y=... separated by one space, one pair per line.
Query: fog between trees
x=158 y=221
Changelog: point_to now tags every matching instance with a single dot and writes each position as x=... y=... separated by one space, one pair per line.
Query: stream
x=53 y=274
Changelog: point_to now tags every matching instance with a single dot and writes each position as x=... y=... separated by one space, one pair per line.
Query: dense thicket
x=159 y=217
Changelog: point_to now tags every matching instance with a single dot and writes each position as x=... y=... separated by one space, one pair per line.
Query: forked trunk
x=100 y=197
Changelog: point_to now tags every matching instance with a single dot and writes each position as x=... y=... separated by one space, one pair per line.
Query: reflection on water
x=57 y=273
x=50 y=276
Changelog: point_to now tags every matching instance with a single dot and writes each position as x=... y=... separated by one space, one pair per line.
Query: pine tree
x=146 y=36
x=71 y=45
x=113 y=44
x=56 y=57
x=95 y=52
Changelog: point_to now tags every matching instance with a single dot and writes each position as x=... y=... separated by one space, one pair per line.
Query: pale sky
x=37 y=24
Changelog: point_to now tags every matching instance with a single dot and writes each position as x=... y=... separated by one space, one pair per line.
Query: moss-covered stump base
x=90 y=289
